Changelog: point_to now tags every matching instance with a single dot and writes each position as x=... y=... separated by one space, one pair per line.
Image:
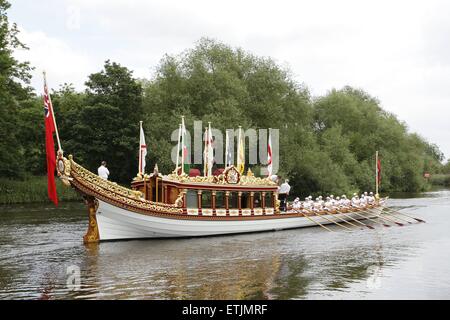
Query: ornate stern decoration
x=63 y=168
x=92 y=234
x=64 y=173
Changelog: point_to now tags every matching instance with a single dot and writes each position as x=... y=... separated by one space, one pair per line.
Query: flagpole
x=182 y=145
x=238 y=148
x=269 y=154
x=209 y=148
x=376 y=173
x=205 y=153
x=227 y=150
x=240 y=156
x=140 y=148
x=53 y=114
x=178 y=149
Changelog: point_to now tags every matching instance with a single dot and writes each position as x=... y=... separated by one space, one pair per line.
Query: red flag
x=50 y=147
x=269 y=156
x=379 y=171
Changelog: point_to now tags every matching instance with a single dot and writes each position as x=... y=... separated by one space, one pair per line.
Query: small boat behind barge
x=174 y=205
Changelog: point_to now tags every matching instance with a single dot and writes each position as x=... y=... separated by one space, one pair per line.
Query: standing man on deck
x=283 y=192
x=103 y=171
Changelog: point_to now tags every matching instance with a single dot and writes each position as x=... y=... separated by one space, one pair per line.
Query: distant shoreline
x=440 y=180
x=34 y=190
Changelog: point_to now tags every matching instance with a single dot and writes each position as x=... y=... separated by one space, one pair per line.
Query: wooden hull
x=116 y=223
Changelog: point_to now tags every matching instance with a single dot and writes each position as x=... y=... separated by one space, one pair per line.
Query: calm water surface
x=39 y=243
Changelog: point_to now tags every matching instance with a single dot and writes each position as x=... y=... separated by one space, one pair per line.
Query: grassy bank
x=440 y=180
x=33 y=189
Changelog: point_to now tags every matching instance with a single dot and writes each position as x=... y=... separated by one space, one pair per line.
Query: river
x=42 y=257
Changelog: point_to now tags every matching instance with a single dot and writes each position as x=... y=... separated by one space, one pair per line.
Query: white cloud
x=61 y=61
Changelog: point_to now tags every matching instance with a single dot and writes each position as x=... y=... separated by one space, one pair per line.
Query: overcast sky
x=398 y=51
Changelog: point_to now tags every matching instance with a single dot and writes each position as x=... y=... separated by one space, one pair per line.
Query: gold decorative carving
x=91 y=184
x=179 y=200
x=277 y=206
x=92 y=234
x=244 y=180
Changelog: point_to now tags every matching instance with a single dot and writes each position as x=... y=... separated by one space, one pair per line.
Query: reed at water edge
x=33 y=189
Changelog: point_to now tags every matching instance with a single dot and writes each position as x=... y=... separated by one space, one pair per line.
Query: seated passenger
x=317 y=206
x=345 y=201
x=328 y=205
x=296 y=205
x=306 y=204
x=371 y=198
x=355 y=200
x=338 y=202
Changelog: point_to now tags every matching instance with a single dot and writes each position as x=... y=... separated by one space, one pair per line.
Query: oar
x=314 y=221
x=365 y=217
x=395 y=216
x=322 y=216
x=340 y=218
x=357 y=221
x=386 y=218
x=401 y=213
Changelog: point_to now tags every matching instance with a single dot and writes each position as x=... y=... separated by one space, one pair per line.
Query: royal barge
x=179 y=205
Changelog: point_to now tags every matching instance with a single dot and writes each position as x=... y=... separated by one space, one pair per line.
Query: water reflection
x=258 y=266
x=37 y=247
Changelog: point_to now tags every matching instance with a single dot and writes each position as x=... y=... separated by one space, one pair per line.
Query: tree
x=14 y=77
x=367 y=128
x=104 y=124
x=446 y=167
x=229 y=87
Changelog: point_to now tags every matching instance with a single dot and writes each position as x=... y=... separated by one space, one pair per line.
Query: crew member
x=296 y=204
x=103 y=171
x=283 y=192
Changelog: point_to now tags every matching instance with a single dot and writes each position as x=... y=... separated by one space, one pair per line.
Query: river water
x=42 y=257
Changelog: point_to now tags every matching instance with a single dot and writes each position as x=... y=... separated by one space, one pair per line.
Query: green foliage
x=103 y=124
x=14 y=76
x=440 y=180
x=361 y=127
x=226 y=86
x=446 y=167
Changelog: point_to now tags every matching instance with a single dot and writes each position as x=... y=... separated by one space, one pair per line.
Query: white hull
x=116 y=223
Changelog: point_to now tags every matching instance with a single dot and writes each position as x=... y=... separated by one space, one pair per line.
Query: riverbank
x=440 y=180
x=33 y=190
